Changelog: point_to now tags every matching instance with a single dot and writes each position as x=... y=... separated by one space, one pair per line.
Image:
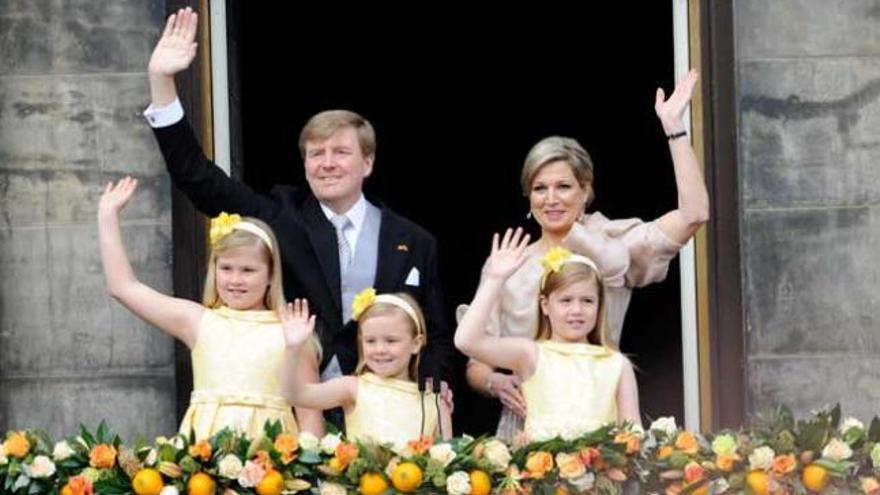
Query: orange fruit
x=147 y=482
x=407 y=477
x=373 y=484
x=271 y=484
x=481 y=483
x=757 y=482
x=201 y=484
x=815 y=478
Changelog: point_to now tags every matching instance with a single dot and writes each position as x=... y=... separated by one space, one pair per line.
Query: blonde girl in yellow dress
x=235 y=335
x=573 y=381
x=382 y=402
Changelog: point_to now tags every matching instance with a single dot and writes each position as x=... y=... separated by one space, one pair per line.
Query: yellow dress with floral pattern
x=237 y=374
x=389 y=410
x=573 y=390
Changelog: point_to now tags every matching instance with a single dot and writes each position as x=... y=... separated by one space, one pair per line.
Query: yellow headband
x=367 y=297
x=223 y=224
x=558 y=256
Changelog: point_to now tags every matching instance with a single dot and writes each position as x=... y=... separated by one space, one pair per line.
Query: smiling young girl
x=573 y=381
x=381 y=401
x=235 y=334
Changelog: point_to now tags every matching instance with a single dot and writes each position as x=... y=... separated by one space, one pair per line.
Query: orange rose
x=286 y=445
x=102 y=456
x=345 y=453
x=687 y=443
x=78 y=485
x=665 y=452
x=16 y=445
x=631 y=440
x=538 y=463
x=262 y=458
x=422 y=445
x=588 y=455
x=784 y=464
x=201 y=450
x=870 y=486
x=725 y=462
x=693 y=472
x=570 y=466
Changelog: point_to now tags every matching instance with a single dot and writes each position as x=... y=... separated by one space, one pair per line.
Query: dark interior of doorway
x=457 y=98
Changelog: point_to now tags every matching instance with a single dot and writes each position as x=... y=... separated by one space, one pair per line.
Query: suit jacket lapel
x=323 y=239
x=394 y=246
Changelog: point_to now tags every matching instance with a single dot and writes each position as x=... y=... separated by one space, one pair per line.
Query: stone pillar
x=809 y=121
x=72 y=86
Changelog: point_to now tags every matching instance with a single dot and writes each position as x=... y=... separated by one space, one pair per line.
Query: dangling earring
x=529 y=215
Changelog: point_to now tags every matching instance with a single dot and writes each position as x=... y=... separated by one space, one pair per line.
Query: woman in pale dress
x=557 y=180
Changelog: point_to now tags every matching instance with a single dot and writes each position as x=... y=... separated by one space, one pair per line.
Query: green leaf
x=813 y=435
x=874 y=430
x=272 y=429
x=101 y=435
x=261 y=443
x=309 y=457
x=835 y=416
x=86 y=436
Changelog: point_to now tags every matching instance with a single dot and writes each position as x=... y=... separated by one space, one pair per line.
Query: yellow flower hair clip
x=368 y=297
x=222 y=225
x=362 y=302
x=558 y=256
x=554 y=259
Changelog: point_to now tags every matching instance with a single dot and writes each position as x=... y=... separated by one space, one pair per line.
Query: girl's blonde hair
x=238 y=239
x=416 y=327
x=570 y=273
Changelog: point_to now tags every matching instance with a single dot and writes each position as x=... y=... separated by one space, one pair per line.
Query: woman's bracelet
x=676 y=135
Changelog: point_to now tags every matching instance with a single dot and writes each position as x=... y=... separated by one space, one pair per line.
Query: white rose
x=178 y=442
x=665 y=424
x=169 y=490
x=62 y=451
x=851 y=423
x=3 y=459
x=497 y=455
x=328 y=488
x=229 y=467
x=721 y=485
x=307 y=441
x=458 y=483
x=442 y=453
x=584 y=482
x=152 y=457
x=41 y=467
x=761 y=458
x=837 y=450
x=329 y=443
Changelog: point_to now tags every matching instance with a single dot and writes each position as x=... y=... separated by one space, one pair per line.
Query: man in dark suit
x=333 y=241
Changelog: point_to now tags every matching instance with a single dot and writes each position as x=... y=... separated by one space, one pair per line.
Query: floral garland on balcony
x=776 y=455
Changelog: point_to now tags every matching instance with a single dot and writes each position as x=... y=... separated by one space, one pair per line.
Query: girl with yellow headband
x=573 y=380
x=382 y=402
x=235 y=335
